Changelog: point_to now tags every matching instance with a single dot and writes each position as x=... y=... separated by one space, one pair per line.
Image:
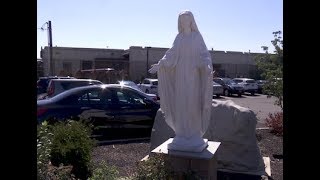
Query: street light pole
x=147 y=60
x=52 y=68
x=50 y=61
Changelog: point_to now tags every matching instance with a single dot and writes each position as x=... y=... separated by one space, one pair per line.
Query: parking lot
x=258 y=103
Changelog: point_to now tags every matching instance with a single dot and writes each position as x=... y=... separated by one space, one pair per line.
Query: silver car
x=249 y=85
x=57 y=86
x=217 y=89
x=135 y=86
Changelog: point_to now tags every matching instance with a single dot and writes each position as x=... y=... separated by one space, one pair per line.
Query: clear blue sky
x=228 y=25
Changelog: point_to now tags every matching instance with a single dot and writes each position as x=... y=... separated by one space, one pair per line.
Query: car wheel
x=252 y=93
x=226 y=92
x=239 y=94
x=147 y=91
x=218 y=95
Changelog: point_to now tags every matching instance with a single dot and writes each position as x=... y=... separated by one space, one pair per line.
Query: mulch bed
x=125 y=156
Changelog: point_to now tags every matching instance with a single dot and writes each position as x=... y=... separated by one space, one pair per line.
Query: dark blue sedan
x=111 y=105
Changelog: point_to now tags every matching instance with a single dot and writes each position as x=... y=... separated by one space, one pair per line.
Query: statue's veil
x=194 y=27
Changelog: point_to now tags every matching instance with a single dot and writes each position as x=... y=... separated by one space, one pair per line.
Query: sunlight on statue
x=185 y=86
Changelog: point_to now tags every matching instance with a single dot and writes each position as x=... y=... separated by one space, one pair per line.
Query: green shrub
x=72 y=145
x=44 y=144
x=104 y=172
x=61 y=172
x=158 y=166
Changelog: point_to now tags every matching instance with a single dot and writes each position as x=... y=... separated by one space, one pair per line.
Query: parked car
x=107 y=106
x=149 y=86
x=135 y=86
x=217 y=89
x=57 y=86
x=43 y=82
x=229 y=86
x=260 y=84
x=249 y=85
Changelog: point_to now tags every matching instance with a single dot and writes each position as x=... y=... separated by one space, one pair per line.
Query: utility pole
x=147 y=60
x=52 y=69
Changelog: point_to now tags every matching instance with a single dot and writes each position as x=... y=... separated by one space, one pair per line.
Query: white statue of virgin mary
x=185 y=86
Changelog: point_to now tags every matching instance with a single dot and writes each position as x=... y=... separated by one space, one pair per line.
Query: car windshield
x=231 y=82
x=225 y=80
x=216 y=84
x=126 y=82
x=238 y=81
x=250 y=81
x=130 y=83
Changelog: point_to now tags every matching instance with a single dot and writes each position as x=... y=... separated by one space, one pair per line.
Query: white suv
x=57 y=86
x=149 y=86
x=249 y=85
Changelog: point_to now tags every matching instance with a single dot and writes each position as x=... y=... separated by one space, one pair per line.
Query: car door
x=132 y=110
x=96 y=106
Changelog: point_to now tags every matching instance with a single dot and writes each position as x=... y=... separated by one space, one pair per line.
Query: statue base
x=189 y=145
x=203 y=163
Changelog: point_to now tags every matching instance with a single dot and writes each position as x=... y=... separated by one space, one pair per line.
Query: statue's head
x=186 y=20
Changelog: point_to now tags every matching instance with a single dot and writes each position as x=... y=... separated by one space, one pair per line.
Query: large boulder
x=232 y=125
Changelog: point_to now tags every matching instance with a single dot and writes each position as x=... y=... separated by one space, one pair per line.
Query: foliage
x=153 y=168
x=158 y=167
x=61 y=172
x=72 y=145
x=104 y=172
x=275 y=122
x=44 y=143
x=271 y=66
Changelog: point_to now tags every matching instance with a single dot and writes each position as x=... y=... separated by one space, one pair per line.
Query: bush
x=61 y=172
x=159 y=167
x=71 y=145
x=103 y=171
x=156 y=167
x=275 y=122
x=44 y=143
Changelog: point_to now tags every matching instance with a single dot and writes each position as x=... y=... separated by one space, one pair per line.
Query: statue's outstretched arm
x=169 y=59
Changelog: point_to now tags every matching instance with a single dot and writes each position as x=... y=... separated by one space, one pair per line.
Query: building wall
x=75 y=56
x=139 y=63
x=226 y=63
x=230 y=63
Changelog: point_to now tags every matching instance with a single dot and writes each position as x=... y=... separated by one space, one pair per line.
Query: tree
x=271 y=66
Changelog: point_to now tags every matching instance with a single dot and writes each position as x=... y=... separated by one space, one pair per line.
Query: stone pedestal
x=197 y=145
x=203 y=163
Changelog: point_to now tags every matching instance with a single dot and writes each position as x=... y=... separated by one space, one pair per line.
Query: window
x=237 y=80
x=72 y=84
x=128 y=97
x=250 y=81
x=87 y=65
x=67 y=67
x=90 y=97
x=146 y=82
x=96 y=97
x=155 y=83
x=219 y=81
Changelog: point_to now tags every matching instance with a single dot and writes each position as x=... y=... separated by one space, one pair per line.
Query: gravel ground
x=125 y=156
x=272 y=146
